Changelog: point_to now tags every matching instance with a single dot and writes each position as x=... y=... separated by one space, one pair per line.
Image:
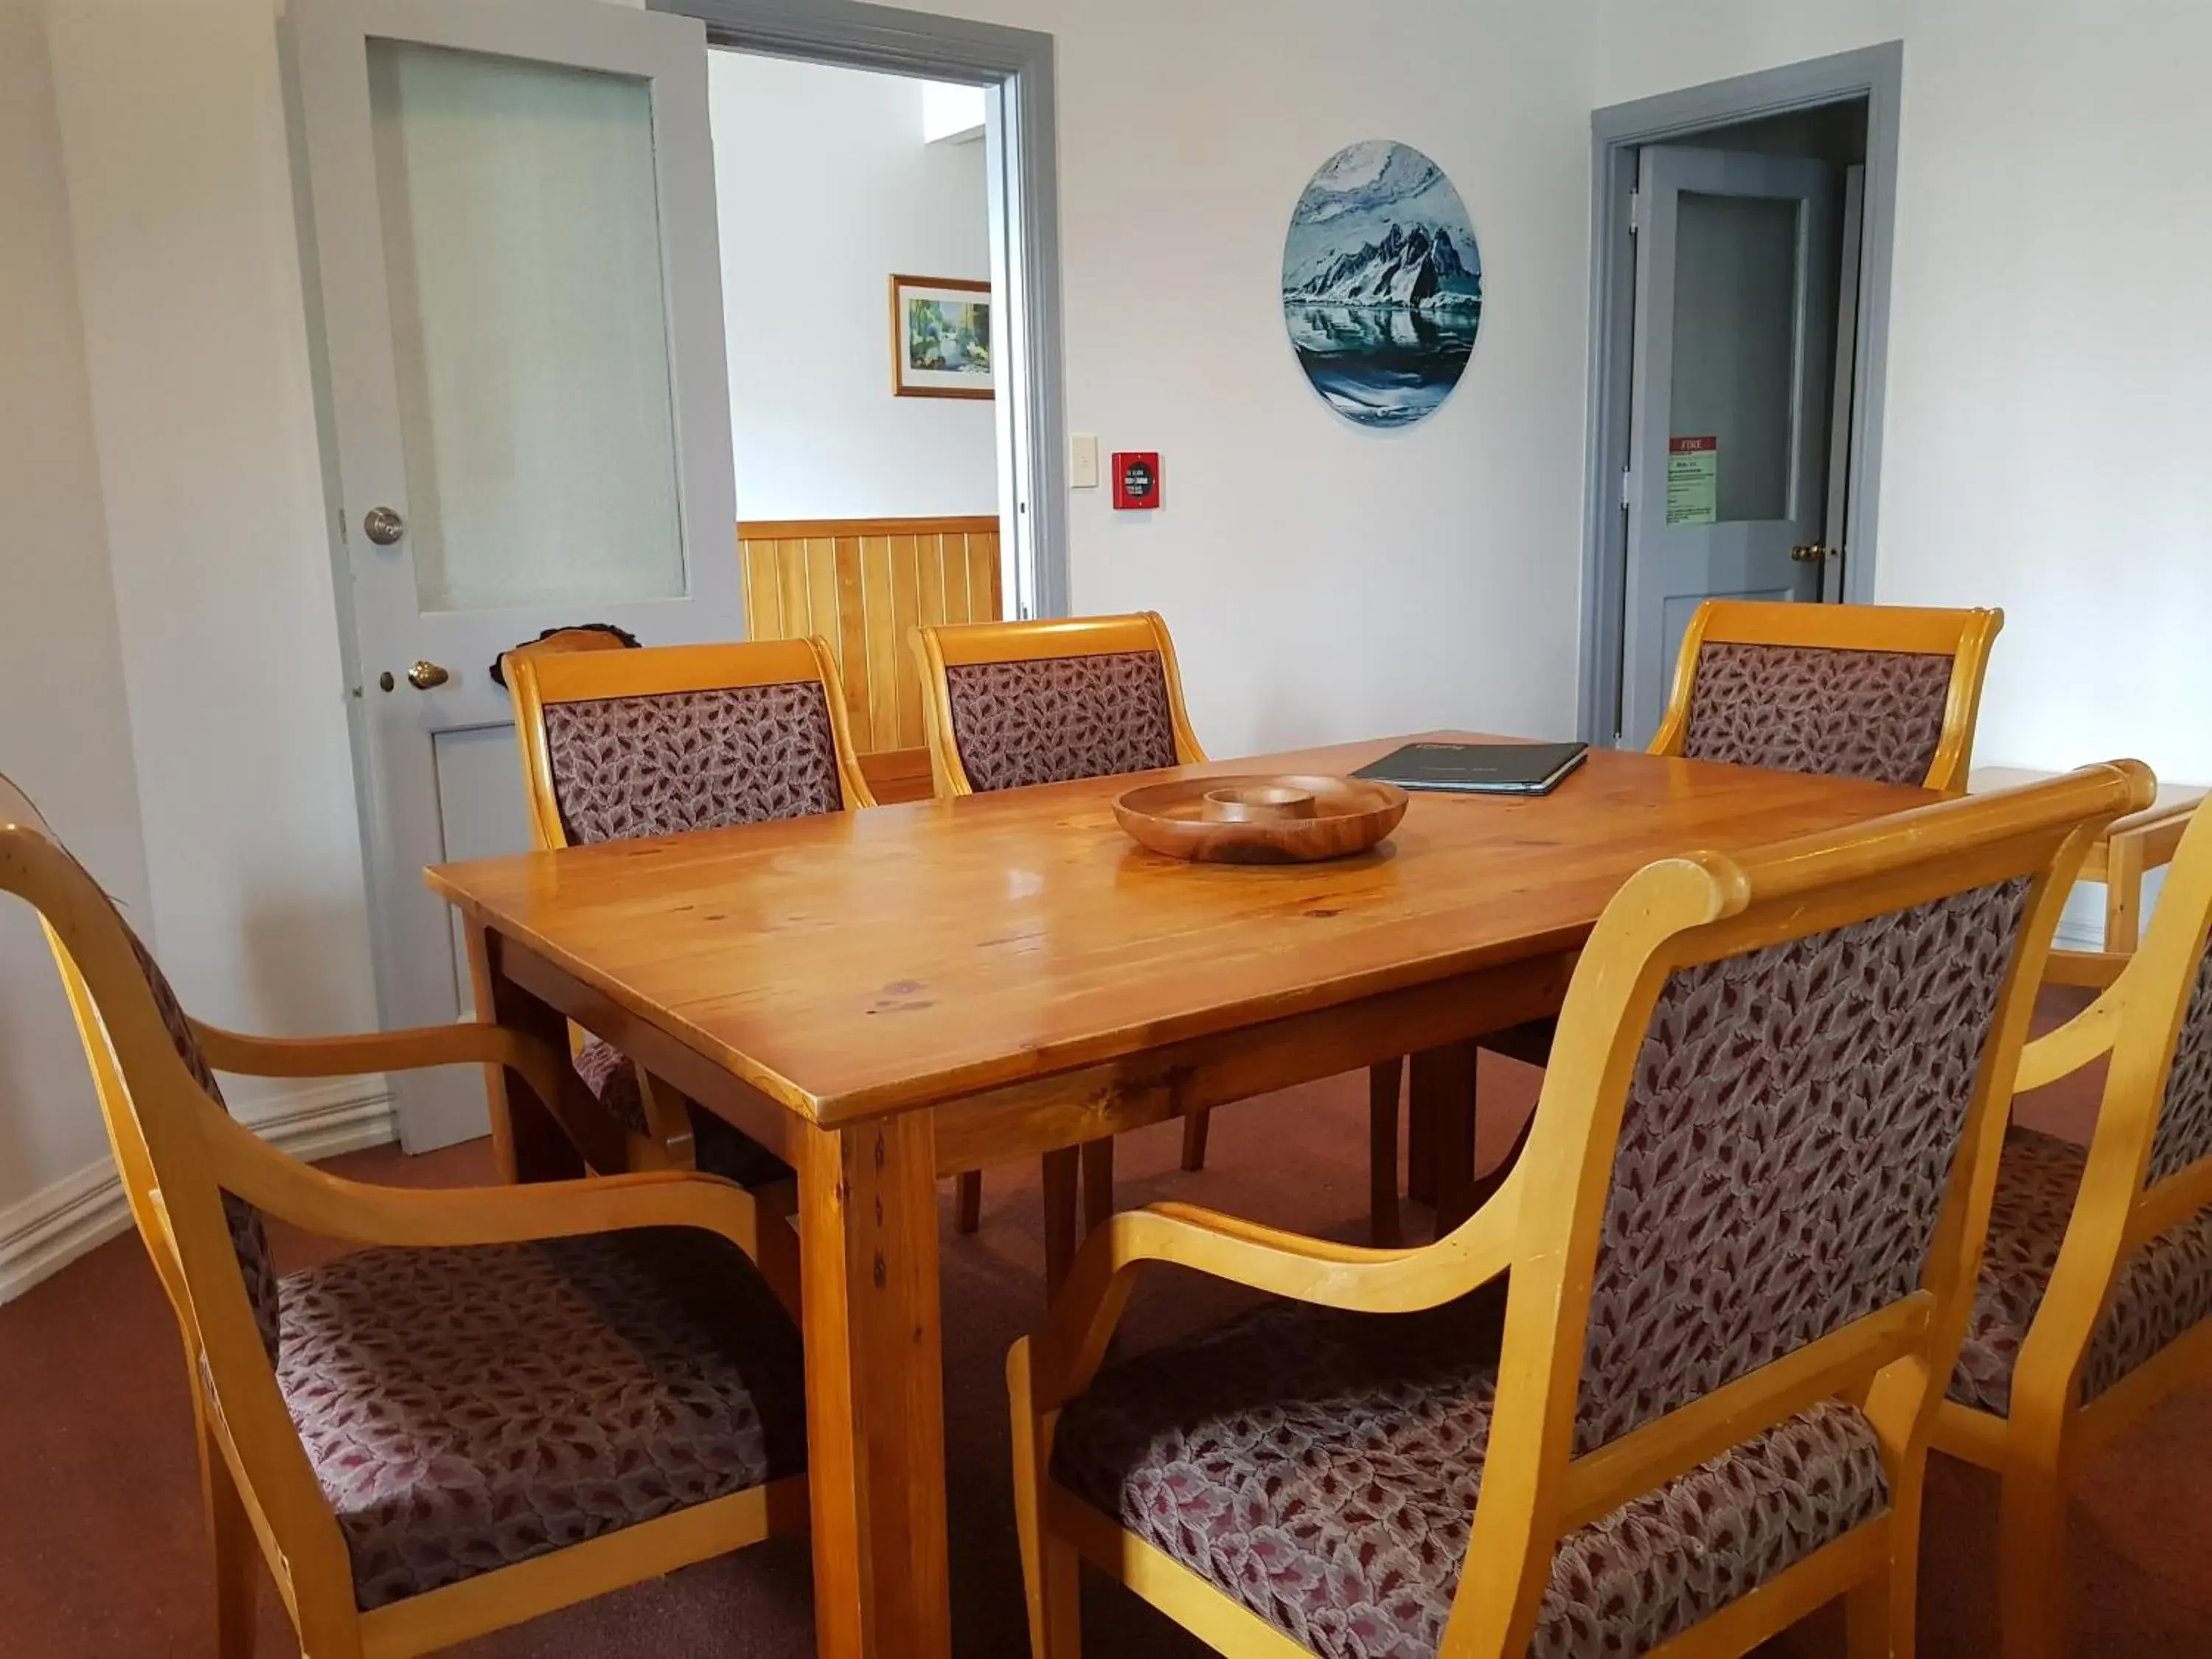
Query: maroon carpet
x=101 y=1551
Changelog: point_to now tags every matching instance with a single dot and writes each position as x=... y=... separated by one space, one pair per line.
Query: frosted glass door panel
x=523 y=251
x=1735 y=344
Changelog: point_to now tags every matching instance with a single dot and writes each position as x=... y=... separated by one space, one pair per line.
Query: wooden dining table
x=890 y=996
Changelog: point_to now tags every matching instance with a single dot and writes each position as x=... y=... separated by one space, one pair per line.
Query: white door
x=515 y=239
x=1736 y=273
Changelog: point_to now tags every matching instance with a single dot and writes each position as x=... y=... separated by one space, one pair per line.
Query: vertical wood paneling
x=861 y=584
x=888 y=660
x=850 y=642
x=983 y=578
x=905 y=611
x=763 y=603
x=797 y=619
x=953 y=575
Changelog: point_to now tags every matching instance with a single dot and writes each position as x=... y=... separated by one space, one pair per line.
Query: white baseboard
x=44 y=1233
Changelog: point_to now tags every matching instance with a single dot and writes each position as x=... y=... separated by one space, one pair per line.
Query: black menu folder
x=1478 y=768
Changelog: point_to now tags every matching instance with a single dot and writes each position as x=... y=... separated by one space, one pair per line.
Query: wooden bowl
x=1261 y=820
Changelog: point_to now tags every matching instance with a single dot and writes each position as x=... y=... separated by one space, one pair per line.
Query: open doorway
x=518 y=332
x=1739 y=325
x=859 y=315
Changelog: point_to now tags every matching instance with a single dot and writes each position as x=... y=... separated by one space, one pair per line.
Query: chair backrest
x=249 y=1233
x=1765 y=1153
x=662 y=740
x=1011 y=704
x=2169 y=1014
x=1887 y=692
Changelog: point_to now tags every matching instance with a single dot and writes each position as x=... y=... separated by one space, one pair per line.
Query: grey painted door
x=529 y=420
x=1736 y=274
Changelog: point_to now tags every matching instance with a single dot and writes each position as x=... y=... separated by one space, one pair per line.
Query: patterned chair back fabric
x=662 y=765
x=2184 y=1117
x=1876 y=714
x=249 y=1232
x=1052 y=720
x=1786 y=1147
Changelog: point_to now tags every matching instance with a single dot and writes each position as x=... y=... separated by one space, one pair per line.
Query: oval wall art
x=1381 y=284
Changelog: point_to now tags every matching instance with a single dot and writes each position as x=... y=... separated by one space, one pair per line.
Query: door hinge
x=1627 y=487
x=1635 y=211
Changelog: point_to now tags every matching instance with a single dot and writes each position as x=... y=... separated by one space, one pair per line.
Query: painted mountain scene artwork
x=1381 y=284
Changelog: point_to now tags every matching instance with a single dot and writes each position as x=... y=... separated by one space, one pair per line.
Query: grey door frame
x=1617 y=133
x=1016 y=65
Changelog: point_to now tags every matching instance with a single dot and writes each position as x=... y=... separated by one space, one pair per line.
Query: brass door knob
x=1812 y=553
x=424 y=675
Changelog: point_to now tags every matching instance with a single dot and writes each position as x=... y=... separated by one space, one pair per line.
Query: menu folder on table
x=1478 y=768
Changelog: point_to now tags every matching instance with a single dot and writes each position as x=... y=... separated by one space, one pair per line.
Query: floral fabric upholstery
x=1054 y=719
x=1785 y=1149
x=249 y=1232
x=2160 y=1294
x=628 y=767
x=2184 y=1120
x=1873 y=714
x=466 y=1409
x=718 y=1146
x=1322 y=1469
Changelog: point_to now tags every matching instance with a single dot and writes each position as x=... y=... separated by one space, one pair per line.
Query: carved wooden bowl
x=1282 y=819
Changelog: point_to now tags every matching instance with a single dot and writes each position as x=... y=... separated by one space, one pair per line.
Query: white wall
x=826 y=187
x=64 y=732
x=2051 y=347
x=173 y=145
x=1324 y=581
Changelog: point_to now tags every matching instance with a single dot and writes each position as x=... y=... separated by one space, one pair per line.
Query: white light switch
x=1083 y=461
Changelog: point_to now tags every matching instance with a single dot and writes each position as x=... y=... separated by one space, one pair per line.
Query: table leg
x=1061 y=1234
x=527 y=1140
x=1442 y=1088
x=2123 y=875
x=875 y=1389
x=1385 y=1083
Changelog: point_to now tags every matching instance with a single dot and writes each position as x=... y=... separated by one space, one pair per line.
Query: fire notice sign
x=1693 y=481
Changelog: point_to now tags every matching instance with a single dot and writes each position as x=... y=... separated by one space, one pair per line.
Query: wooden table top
x=856 y=963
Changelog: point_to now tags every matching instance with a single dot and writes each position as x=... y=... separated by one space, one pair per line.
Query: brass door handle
x=1812 y=553
x=424 y=675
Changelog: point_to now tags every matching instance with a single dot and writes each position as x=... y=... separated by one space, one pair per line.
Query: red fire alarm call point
x=1136 y=479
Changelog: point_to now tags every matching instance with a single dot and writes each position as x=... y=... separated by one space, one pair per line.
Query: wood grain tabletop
x=855 y=964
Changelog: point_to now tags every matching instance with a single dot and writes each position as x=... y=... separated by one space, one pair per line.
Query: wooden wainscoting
x=861 y=584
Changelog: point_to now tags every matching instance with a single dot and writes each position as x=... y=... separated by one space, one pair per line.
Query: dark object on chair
x=573 y=636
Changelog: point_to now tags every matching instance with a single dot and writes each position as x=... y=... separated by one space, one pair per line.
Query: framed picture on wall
x=941 y=338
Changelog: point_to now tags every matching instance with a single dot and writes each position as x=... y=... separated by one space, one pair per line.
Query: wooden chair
x=1887 y=692
x=663 y=741
x=1881 y=691
x=1009 y=704
x=513 y=1400
x=2095 y=1294
x=1671 y=1387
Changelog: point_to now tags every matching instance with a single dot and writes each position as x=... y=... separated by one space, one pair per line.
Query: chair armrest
x=1072 y=1343
x=362 y=1213
x=471 y=1044
x=2087 y=1036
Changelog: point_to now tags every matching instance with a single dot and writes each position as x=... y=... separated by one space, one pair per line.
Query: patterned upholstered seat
x=1875 y=715
x=1322 y=1469
x=1786 y=1141
x=624 y=768
x=466 y=1409
x=2160 y=1293
x=1051 y=719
